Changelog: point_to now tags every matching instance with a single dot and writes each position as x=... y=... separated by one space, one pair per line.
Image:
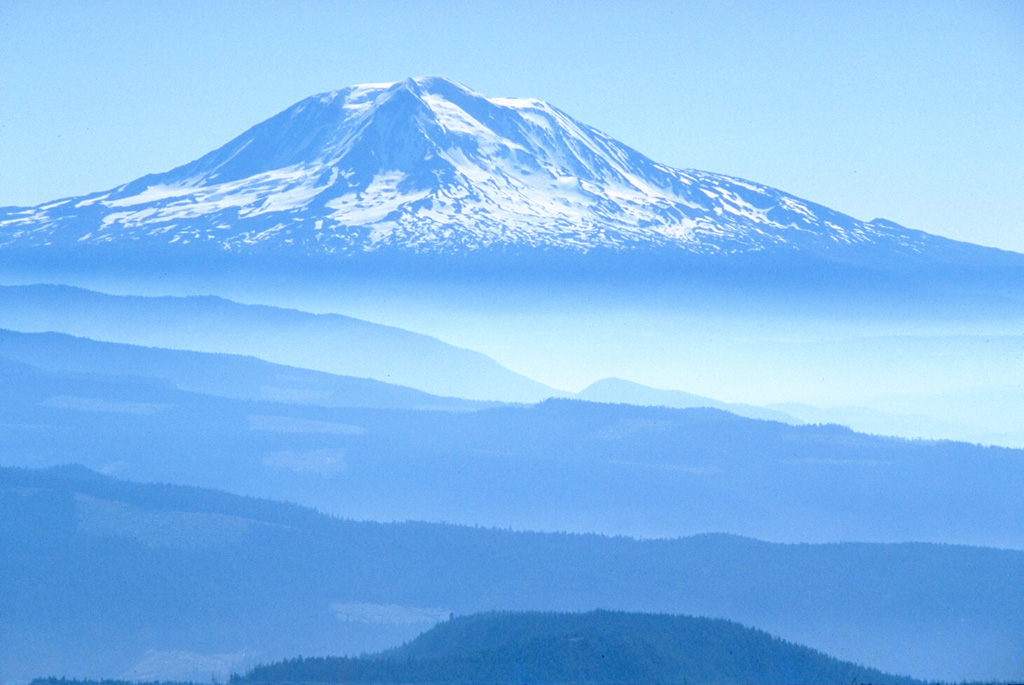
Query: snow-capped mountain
x=429 y=166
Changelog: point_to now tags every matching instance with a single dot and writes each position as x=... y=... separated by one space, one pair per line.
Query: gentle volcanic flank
x=428 y=166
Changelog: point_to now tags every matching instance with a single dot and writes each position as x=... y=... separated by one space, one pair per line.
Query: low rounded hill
x=600 y=647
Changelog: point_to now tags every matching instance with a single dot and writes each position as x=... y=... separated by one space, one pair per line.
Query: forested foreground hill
x=106 y=578
x=595 y=647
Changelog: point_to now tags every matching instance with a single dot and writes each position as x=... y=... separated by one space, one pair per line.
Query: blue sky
x=912 y=111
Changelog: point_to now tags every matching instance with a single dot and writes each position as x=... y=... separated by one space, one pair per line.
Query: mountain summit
x=429 y=166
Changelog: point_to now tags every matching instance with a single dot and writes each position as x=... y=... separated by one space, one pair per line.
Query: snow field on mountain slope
x=512 y=172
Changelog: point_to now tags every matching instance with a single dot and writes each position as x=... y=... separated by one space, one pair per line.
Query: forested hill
x=594 y=647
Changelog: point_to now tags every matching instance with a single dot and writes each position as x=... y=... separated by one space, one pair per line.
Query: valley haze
x=506 y=227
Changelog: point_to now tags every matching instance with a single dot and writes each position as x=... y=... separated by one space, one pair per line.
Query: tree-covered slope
x=107 y=578
x=596 y=647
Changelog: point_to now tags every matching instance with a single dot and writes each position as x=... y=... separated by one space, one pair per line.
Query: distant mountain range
x=105 y=578
x=365 y=449
x=430 y=168
x=331 y=343
x=574 y=649
x=334 y=345
x=219 y=375
x=626 y=392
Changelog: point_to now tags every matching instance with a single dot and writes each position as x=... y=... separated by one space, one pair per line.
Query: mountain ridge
x=561 y=465
x=618 y=390
x=193 y=574
x=332 y=343
x=218 y=374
